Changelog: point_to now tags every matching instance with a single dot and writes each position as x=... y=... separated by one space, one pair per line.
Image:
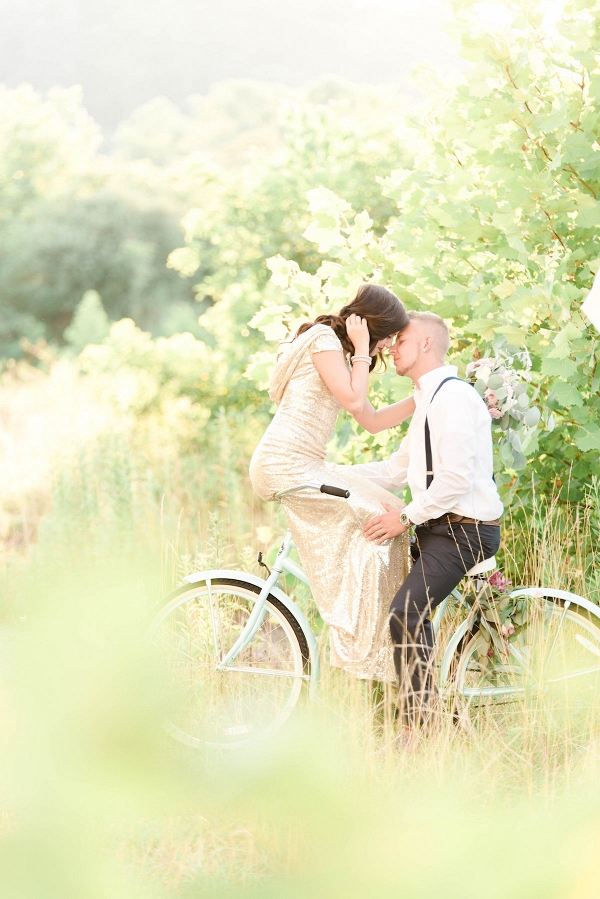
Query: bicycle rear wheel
x=250 y=697
x=554 y=660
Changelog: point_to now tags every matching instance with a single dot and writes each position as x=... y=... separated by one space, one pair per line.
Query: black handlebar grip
x=335 y=491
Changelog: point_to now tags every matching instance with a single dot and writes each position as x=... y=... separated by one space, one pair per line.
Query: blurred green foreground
x=97 y=802
x=124 y=456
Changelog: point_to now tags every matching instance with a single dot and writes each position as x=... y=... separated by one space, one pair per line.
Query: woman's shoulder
x=325 y=339
x=295 y=357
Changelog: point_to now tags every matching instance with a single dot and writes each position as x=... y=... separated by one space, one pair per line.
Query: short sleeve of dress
x=326 y=342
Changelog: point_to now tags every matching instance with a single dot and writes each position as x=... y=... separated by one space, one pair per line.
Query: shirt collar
x=428 y=382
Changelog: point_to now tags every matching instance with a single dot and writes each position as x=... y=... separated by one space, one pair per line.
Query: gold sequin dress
x=352 y=580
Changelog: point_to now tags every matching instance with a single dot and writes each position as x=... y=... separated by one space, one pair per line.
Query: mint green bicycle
x=239 y=653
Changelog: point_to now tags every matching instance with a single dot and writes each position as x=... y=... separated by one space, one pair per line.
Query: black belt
x=453 y=518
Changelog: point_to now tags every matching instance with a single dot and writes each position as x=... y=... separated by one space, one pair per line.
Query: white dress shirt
x=461 y=447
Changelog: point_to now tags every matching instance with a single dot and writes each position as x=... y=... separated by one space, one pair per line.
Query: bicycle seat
x=481 y=567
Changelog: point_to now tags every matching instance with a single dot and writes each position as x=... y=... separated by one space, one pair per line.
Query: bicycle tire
x=538 y=677
x=280 y=618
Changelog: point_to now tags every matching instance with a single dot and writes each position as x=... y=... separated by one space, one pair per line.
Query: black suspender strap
x=428 y=456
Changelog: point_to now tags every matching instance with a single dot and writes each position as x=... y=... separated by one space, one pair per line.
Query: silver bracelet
x=360 y=359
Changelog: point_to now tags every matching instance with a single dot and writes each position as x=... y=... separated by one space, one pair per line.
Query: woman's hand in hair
x=358 y=332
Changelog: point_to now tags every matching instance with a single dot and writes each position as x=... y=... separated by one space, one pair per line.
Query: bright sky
x=126 y=52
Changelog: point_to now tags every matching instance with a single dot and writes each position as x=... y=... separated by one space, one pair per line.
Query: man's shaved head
x=435 y=327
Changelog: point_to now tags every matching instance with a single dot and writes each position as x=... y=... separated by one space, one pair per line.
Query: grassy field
x=102 y=514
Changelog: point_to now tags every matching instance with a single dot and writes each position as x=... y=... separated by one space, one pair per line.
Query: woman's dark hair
x=382 y=309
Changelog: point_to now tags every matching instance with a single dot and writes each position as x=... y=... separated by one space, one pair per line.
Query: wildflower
x=499 y=581
x=507 y=630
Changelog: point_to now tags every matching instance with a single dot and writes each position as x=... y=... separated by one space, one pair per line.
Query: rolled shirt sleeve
x=391 y=473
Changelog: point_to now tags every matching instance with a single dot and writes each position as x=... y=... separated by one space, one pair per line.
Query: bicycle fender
x=282 y=597
x=573 y=598
x=463 y=628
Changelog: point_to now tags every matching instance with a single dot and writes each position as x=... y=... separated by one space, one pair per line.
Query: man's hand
x=384 y=527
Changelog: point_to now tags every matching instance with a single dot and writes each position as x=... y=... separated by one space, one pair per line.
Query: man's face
x=407 y=349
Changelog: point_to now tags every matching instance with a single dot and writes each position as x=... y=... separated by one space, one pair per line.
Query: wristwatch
x=405 y=520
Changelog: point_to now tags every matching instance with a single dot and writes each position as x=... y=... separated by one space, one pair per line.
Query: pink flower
x=498 y=581
x=507 y=630
x=495 y=413
x=492 y=399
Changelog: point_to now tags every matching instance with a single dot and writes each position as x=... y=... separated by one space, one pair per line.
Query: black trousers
x=441 y=557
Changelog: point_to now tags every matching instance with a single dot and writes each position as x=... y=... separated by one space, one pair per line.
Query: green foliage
x=71 y=220
x=113 y=241
x=496 y=227
x=178 y=378
x=244 y=221
x=90 y=323
x=44 y=143
x=74 y=220
x=238 y=116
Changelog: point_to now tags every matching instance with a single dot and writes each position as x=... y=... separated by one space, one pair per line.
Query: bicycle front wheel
x=253 y=695
x=555 y=658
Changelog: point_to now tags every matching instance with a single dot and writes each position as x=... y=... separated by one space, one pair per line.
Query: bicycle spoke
x=213 y=621
x=248 y=697
x=586 y=671
x=551 y=661
x=266 y=672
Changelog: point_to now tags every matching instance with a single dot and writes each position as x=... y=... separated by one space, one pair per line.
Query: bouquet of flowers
x=503 y=617
x=502 y=381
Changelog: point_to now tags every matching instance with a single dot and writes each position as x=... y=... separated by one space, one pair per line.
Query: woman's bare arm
x=348 y=387
x=375 y=420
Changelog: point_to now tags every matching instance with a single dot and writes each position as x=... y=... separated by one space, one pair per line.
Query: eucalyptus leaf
x=532 y=417
x=515 y=441
x=519 y=461
x=506 y=454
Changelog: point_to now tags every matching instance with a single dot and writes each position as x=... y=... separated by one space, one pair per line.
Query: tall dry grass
x=96 y=802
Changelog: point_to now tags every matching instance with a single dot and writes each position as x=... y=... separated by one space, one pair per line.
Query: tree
x=90 y=323
x=496 y=227
x=245 y=220
x=72 y=220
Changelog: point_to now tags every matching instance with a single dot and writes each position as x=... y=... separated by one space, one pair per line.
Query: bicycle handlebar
x=334 y=491
x=324 y=488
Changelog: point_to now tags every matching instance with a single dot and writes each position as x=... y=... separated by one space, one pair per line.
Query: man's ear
x=427 y=343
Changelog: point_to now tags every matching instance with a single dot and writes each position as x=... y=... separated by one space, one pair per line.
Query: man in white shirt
x=455 y=506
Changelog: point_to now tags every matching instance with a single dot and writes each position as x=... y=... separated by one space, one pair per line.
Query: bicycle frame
x=283 y=563
x=269 y=586
x=256 y=618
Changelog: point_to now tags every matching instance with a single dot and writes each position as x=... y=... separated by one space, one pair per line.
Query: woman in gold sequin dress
x=352 y=580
